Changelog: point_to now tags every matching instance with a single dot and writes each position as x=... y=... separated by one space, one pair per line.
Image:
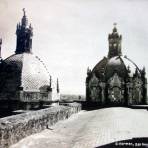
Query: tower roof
x=24 y=36
x=24 y=19
x=114 y=43
x=24 y=70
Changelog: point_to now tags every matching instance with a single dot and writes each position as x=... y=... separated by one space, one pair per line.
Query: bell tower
x=24 y=35
x=114 y=40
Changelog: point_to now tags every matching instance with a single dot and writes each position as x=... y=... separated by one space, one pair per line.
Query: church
x=116 y=79
x=25 y=82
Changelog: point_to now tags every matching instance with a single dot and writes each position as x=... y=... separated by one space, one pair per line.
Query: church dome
x=99 y=69
x=117 y=64
x=116 y=79
x=25 y=82
x=25 y=71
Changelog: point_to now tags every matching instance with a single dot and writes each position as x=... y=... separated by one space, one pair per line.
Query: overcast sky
x=70 y=35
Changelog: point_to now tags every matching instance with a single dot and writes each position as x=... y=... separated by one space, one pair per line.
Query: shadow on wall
x=7 y=112
x=89 y=106
x=141 y=142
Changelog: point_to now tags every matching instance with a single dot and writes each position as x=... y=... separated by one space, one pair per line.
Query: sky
x=70 y=35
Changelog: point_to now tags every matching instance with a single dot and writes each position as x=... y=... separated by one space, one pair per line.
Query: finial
x=24 y=11
x=24 y=19
x=136 y=72
x=58 y=90
x=115 y=29
x=50 y=81
x=0 y=47
x=88 y=71
x=143 y=71
x=115 y=24
x=0 y=41
x=128 y=69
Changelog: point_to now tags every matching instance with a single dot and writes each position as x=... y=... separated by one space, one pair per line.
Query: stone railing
x=14 y=128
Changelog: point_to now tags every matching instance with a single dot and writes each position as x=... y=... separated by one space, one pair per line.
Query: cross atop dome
x=114 y=29
x=115 y=24
x=24 y=19
x=24 y=11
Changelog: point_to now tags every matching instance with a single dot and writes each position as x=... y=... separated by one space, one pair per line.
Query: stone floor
x=90 y=129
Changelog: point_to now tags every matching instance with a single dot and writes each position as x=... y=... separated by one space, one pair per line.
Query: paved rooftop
x=89 y=129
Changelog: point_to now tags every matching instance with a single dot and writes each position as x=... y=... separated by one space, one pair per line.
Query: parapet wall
x=14 y=128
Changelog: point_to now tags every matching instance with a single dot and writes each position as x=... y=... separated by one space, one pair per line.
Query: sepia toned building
x=24 y=79
x=116 y=79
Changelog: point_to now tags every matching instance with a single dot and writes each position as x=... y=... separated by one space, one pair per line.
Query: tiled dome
x=99 y=69
x=119 y=64
x=25 y=71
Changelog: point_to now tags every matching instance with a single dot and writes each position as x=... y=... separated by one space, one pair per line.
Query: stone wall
x=71 y=98
x=14 y=128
